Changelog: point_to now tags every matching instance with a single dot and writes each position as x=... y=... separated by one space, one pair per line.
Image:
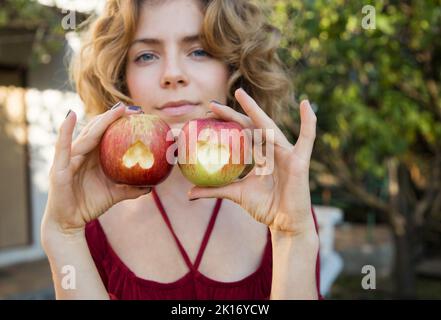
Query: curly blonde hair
x=233 y=31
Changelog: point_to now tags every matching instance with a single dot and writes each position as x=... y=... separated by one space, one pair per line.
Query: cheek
x=137 y=82
x=215 y=80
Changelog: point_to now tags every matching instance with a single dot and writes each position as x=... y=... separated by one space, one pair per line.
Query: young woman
x=253 y=239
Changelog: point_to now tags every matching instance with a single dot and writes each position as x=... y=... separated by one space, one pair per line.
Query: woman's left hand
x=280 y=199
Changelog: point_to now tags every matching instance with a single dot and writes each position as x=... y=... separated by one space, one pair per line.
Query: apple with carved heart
x=212 y=152
x=133 y=150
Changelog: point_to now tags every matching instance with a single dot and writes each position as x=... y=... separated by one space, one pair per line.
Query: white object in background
x=331 y=264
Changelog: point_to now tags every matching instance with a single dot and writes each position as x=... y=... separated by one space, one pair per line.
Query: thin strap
x=167 y=221
x=181 y=248
x=207 y=234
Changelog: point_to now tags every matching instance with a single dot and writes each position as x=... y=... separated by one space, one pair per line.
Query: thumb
x=231 y=192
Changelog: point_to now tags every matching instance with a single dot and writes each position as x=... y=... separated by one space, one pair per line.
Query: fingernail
x=116 y=105
x=135 y=108
x=216 y=102
x=68 y=113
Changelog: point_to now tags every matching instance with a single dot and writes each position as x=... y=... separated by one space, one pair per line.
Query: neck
x=175 y=186
x=174 y=191
x=173 y=195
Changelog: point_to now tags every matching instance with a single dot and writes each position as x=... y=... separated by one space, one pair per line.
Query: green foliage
x=378 y=91
x=32 y=17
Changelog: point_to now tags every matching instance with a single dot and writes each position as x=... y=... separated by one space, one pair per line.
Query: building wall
x=14 y=191
x=48 y=97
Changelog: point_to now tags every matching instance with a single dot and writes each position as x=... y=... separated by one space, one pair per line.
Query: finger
x=133 y=110
x=255 y=138
x=64 y=142
x=108 y=118
x=84 y=131
x=229 y=114
x=226 y=113
x=308 y=121
x=77 y=162
x=86 y=128
x=124 y=192
x=90 y=140
x=231 y=192
x=252 y=109
x=259 y=117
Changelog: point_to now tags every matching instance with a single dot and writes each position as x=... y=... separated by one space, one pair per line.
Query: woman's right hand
x=79 y=191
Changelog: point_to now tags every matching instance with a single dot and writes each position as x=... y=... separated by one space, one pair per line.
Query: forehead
x=169 y=19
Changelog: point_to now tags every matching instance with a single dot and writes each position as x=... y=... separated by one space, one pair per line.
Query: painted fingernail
x=116 y=105
x=68 y=113
x=216 y=102
x=135 y=108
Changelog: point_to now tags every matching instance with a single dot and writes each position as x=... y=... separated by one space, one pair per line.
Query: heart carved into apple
x=212 y=151
x=133 y=150
x=138 y=153
x=212 y=157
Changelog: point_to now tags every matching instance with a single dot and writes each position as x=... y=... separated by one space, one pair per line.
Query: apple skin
x=131 y=138
x=196 y=172
x=247 y=169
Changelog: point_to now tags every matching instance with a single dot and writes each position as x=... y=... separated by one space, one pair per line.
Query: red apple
x=212 y=152
x=133 y=150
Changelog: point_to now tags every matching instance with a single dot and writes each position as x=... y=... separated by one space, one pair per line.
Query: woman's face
x=167 y=64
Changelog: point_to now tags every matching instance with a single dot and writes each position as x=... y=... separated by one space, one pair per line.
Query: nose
x=173 y=75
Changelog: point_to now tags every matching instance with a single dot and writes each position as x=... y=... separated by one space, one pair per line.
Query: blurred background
x=372 y=70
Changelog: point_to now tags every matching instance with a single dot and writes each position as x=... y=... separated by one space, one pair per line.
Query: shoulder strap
x=167 y=221
x=206 y=235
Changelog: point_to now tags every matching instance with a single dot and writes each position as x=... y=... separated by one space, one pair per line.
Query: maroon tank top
x=122 y=283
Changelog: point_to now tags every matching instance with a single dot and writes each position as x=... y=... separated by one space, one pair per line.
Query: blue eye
x=201 y=53
x=144 y=57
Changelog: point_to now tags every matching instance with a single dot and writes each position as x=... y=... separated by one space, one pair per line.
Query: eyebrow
x=153 y=41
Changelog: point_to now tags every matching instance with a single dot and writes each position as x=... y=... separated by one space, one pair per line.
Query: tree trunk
x=405 y=284
x=402 y=222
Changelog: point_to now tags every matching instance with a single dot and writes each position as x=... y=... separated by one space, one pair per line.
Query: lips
x=175 y=104
x=176 y=108
x=179 y=110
